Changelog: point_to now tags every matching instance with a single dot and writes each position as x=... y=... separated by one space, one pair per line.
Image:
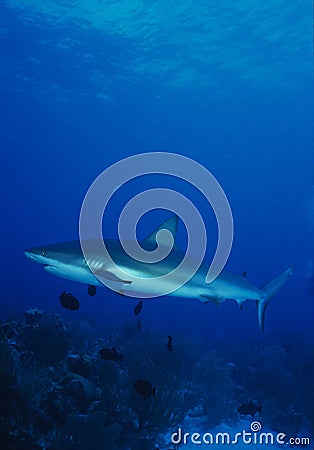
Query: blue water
x=84 y=84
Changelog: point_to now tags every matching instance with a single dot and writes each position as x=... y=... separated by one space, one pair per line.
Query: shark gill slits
x=68 y=301
x=92 y=291
x=169 y=344
x=138 y=308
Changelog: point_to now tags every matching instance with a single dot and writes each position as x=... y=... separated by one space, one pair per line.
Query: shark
x=66 y=260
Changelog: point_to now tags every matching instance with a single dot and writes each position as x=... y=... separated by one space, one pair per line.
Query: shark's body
x=66 y=260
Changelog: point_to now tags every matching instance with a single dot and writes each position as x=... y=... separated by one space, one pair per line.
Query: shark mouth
x=49 y=266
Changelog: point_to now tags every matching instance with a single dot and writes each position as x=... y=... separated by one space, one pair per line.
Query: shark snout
x=35 y=255
x=29 y=254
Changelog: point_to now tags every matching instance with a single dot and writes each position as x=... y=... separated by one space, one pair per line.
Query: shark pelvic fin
x=171 y=225
x=268 y=291
x=241 y=303
x=207 y=298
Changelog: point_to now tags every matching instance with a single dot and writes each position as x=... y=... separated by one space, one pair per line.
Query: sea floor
x=63 y=387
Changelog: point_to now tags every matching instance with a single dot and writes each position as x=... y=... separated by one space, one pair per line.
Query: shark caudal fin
x=268 y=291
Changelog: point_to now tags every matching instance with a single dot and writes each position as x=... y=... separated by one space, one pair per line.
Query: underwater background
x=85 y=83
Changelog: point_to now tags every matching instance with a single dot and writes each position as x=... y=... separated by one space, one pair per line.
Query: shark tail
x=268 y=291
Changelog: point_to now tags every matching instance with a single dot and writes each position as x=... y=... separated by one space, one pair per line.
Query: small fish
x=110 y=354
x=249 y=409
x=91 y=290
x=138 y=308
x=68 y=301
x=144 y=389
x=169 y=344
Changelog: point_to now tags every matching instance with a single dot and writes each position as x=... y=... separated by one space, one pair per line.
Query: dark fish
x=249 y=409
x=169 y=344
x=138 y=308
x=91 y=290
x=69 y=302
x=144 y=389
x=110 y=354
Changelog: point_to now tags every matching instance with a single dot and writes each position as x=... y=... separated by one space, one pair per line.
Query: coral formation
x=58 y=393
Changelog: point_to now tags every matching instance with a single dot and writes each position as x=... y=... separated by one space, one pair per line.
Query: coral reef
x=216 y=388
x=58 y=393
x=279 y=379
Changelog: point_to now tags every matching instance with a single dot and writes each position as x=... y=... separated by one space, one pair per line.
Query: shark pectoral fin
x=207 y=298
x=111 y=276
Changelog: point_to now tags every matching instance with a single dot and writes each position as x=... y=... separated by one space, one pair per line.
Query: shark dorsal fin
x=171 y=225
